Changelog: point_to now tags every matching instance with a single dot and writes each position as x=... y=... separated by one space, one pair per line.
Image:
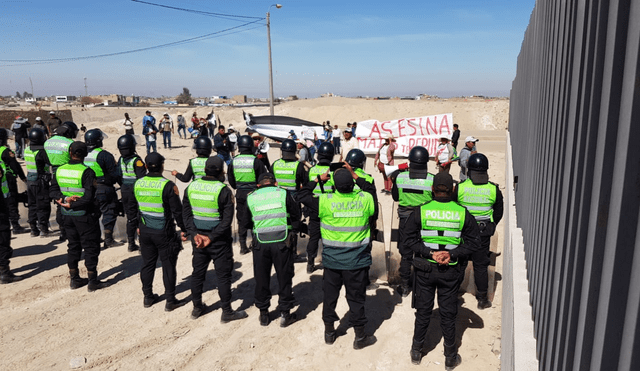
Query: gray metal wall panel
x=573 y=102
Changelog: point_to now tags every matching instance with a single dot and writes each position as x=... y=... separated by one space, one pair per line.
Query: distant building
x=65 y=98
x=239 y=98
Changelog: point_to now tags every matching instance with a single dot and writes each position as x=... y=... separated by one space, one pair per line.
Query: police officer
x=325 y=156
x=195 y=169
x=73 y=188
x=484 y=201
x=38 y=178
x=57 y=149
x=208 y=213
x=357 y=159
x=345 y=217
x=6 y=252
x=290 y=175
x=131 y=168
x=275 y=216
x=244 y=171
x=104 y=165
x=410 y=189
x=159 y=204
x=11 y=170
x=440 y=233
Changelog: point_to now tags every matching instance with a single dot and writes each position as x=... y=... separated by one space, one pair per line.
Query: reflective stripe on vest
x=57 y=148
x=92 y=161
x=243 y=169
x=69 y=178
x=128 y=170
x=5 y=184
x=414 y=192
x=30 y=161
x=313 y=176
x=203 y=197
x=361 y=174
x=197 y=166
x=442 y=224
x=478 y=199
x=148 y=192
x=2 y=149
x=344 y=219
x=285 y=173
x=268 y=207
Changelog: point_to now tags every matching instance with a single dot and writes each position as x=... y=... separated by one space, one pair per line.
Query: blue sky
x=351 y=48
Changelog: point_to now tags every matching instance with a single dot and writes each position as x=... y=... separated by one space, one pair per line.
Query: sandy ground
x=45 y=325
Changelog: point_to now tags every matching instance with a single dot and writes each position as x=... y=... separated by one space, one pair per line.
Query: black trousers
x=6 y=252
x=481 y=262
x=12 y=200
x=355 y=283
x=60 y=221
x=275 y=255
x=107 y=199
x=314 y=237
x=222 y=257
x=39 y=204
x=165 y=247
x=83 y=233
x=406 y=254
x=244 y=221
x=131 y=211
x=445 y=281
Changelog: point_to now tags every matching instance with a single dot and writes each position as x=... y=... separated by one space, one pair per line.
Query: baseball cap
x=52 y=112
x=264 y=176
x=78 y=148
x=444 y=180
x=471 y=139
x=347 y=130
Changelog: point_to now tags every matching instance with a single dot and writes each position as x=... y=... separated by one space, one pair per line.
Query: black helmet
x=71 y=130
x=288 y=146
x=127 y=145
x=37 y=137
x=203 y=146
x=326 y=152
x=356 y=158
x=154 y=161
x=245 y=142
x=93 y=138
x=3 y=136
x=478 y=162
x=419 y=155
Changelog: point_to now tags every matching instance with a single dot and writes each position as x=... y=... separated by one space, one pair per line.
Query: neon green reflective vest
x=285 y=173
x=442 y=224
x=361 y=174
x=243 y=170
x=478 y=199
x=30 y=161
x=92 y=161
x=345 y=230
x=69 y=178
x=128 y=170
x=268 y=207
x=419 y=190
x=57 y=148
x=197 y=166
x=5 y=184
x=148 y=192
x=203 y=197
x=313 y=176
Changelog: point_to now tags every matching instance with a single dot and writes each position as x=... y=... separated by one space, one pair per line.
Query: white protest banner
x=424 y=131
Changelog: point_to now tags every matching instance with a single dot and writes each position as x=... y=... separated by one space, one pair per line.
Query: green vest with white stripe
x=285 y=173
x=268 y=207
x=57 y=148
x=203 y=197
x=69 y=178
x=345 y=230
x=30 y=161
x=197 y=166
x=128 y=170
x=92 y=161
x=442 y=224
x=478 y=199
x=148 y=192
x=243 y=170
x=361 y=174
x=5 y=184
x=313 y=176
x=414 y=192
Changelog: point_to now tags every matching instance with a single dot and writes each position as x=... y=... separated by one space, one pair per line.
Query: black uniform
x=6 y=252
x=164 y=243
x=105 y=193
x=441 y=278
x=219 y=251
x=188 y=174
x=128 y=197
x=242 y=191
x=38 y=194
x=314 y=225
x=83 y=232
x=302 y=178
x=14 y=171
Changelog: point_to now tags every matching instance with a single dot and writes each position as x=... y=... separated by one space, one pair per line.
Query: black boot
x=76 y=281
x=198 y=309
x=452 y=358
x=287 y=318
x=264 y=318
x=150 y=300
x=311 y=266
x=174 y=303
x=330 y=333
x=362 y=340
x=109 y=241
x=133 y=247
x=35 y=232
x=404 y=289
x=18 y=229
x=94 y=282
x=229 y=315
x=416 y=352
x=6 y=276
x=483 y=302
x=243 y=248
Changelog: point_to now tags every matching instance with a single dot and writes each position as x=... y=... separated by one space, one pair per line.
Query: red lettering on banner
x=375 y=129
x=400 y=128
x=385 y=129
x=411 y=124
x=432 y=126
x=444 y=124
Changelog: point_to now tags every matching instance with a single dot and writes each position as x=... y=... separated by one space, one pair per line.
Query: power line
x=210 y=14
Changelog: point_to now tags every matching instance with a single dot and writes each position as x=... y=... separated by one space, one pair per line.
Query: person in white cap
x=166 y=128
x=466 y=152
x=40 y=125
x=445 y=154
x=347 y=144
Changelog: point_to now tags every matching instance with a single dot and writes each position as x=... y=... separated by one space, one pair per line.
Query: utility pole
x=278 y=6
x=85 y=87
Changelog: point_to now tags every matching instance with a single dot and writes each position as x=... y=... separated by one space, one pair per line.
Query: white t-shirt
x=128 y=125
x=383 y=154
x=337 y=133
x=348 y=145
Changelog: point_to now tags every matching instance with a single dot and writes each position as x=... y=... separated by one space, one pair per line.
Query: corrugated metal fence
x=575 y=130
